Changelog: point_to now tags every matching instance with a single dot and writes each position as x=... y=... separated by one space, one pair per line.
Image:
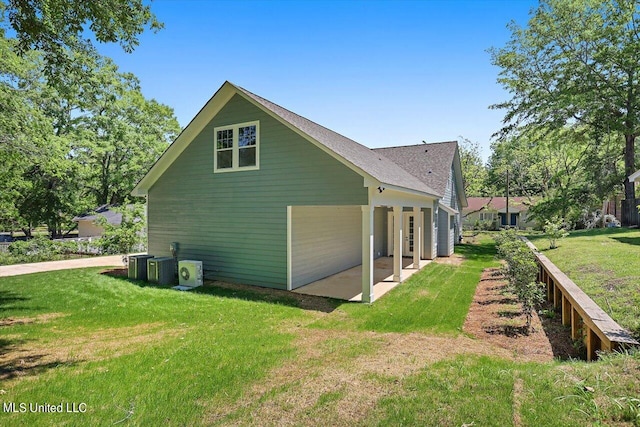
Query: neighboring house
x=87 y=225
x=493 y=211
x=266 y=197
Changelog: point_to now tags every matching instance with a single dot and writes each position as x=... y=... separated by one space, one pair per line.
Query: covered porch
x=347 y=284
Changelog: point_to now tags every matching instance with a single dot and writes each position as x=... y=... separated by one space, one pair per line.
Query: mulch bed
x=495 y=316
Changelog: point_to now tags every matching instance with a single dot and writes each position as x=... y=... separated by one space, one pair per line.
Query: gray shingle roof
x=373 y=162
x=431 y=163
x=105 y=211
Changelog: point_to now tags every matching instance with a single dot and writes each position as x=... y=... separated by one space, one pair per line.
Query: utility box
x=138 y=266
x=190 y=273
x=161 y=270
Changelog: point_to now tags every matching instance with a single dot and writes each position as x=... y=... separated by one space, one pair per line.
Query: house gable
x=236 y=222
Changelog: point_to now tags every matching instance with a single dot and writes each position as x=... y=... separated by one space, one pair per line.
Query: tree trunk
x=629 y=210
x=629 y=166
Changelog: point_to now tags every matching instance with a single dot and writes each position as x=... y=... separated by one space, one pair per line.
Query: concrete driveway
x=37 y=267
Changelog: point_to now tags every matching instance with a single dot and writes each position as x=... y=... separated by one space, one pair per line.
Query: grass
x=436 y=301
x=604 y=263
x=144 y=355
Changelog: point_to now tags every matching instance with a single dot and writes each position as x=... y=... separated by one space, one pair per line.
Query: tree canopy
x=576 y=64
x=75 y=131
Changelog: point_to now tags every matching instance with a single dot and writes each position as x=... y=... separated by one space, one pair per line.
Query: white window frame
x=236 y=149
x=486 y=216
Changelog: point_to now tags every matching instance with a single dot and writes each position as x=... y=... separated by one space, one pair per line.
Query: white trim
x=289 y=247
x=634 y=176
x=368 y=228
x=398 y=220
x=448 y=209
x=417 y=237
x=188 y=134
x=235 y=149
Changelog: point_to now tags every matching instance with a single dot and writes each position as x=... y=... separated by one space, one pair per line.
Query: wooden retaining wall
x=588 y=321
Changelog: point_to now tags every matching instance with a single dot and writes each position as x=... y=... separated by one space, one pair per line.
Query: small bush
x=521 y=271
x=121 y=239
x=554 y=230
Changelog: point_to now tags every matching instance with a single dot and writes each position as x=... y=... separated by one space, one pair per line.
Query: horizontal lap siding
x=236 y=222
x=325 y=240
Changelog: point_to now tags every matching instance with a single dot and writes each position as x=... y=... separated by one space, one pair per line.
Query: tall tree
x=59 y=27
x=473 y=169
x=576 y=62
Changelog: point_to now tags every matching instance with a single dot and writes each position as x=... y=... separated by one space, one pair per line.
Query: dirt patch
x=42 y=318
x=495 y=316
x=21 y=359
x=454 y=259
x=339 y=376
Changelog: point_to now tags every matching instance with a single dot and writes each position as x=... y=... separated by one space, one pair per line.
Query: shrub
x=521 y=271
x=121 y=239
x=554 y=230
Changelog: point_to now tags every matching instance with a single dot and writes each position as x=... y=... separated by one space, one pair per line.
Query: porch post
x=367 y=253
x=397 y=243
x=417 y=237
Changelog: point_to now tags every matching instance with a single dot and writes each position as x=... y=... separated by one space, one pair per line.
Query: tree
x=72 y=144
x=473 y=169
x=59 y=27
x=576 y=62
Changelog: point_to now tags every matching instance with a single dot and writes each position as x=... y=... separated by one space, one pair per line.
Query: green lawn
x=605 y=263
x=143 y=355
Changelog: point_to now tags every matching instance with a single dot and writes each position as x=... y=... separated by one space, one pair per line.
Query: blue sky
x=383 y=73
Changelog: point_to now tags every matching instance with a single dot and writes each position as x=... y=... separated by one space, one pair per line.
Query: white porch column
x=397 y=243
x=417 y=237
x=367 y=254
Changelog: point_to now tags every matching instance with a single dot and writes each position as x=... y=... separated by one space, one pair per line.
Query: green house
x=266 y=197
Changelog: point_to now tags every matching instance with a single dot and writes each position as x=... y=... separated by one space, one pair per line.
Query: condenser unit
x=190 y=273
x=161 y=270
x=138 y=266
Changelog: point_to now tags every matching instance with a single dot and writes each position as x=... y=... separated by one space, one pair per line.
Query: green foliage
x=123 y=238
x=37 y=249
x=576 y=63
x=59 y=27
x=554 y=230
x=521 y=271
x=474 y=171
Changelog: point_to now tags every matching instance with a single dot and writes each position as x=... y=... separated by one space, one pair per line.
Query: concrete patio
x=347 y=285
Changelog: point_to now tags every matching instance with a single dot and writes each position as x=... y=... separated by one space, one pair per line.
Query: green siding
x=236 y=222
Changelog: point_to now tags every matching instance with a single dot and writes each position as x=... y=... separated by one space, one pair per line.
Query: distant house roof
x=112 y=217
x=431 y=163
x=498 y=203
x=363 y=160
x=635 y=176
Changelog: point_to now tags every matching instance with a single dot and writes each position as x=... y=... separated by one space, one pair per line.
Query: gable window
x=236 y=147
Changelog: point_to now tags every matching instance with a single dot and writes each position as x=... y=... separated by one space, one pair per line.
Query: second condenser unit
x=161 y=270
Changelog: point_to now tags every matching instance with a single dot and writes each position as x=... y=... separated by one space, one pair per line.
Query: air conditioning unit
x=161 y=270
x=138 y=266
x=190 y=273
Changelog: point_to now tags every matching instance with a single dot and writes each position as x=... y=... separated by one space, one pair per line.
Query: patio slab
x=347 y=285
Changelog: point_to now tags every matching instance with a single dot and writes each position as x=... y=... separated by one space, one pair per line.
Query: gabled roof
x=478 y=204
x=105 y=211
x=362 y=160
x=431 y=163
x=635 y=176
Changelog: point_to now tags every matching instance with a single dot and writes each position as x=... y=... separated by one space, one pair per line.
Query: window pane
x=225 y=159
x=247 y=136
x=225 y=139
x=247 y=157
